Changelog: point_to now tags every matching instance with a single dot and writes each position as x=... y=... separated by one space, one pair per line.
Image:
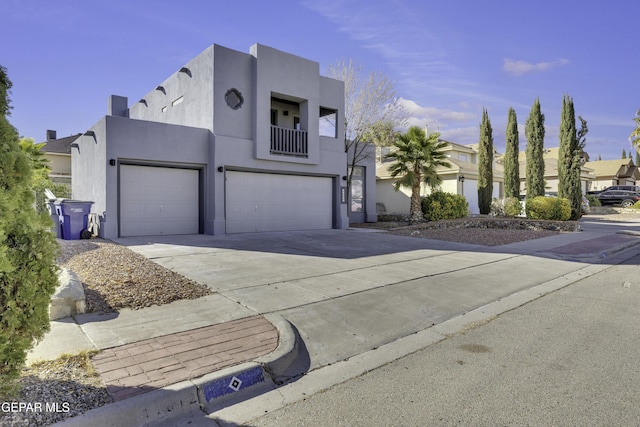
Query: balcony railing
x=289 y=142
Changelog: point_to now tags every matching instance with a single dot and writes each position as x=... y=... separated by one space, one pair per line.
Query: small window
x=274 y=117
x=177 y=101
x=233 y=98
x=163 y=109
x=328 y=122
x=357 y=190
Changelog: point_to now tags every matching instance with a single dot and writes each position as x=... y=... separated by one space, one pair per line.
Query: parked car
x=634 y=188
x=618 y=197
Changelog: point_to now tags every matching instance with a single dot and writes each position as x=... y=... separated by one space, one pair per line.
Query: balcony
x=289 y=142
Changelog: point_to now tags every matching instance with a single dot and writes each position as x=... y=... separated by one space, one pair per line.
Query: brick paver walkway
x=147 y=365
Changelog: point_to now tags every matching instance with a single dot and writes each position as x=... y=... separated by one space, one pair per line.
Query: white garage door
x=271 y=202
x=470 y=188
x=158 y=200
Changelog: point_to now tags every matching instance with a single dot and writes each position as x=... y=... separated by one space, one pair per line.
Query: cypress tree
x=27 y=254
x=511 y=164
x=569 y=159
x=485 y=165
x=624 y=154
x=534 y=132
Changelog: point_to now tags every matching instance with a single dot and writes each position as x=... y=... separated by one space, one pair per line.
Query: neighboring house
x=230 y=143
x=460 y=178
x=58 y=153
x=612 y=172
x=550 y=157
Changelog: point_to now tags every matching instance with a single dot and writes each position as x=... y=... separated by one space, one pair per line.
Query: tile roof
x=608 y=168
x=60 y=146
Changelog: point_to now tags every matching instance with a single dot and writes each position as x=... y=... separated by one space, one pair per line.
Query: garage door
x=470 y=189
x=271 y=202
x=158 y=200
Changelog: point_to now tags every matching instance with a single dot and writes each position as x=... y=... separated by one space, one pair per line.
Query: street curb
x=211 y=392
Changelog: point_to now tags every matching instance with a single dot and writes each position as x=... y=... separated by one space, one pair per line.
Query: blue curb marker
x=234 y=383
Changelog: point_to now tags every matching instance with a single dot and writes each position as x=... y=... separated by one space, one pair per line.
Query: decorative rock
x=69 y=296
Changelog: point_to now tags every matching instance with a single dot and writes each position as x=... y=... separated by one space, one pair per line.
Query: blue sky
x=448 y=60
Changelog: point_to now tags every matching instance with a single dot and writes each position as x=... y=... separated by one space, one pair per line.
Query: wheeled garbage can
x=55 y=213
x=74 y=216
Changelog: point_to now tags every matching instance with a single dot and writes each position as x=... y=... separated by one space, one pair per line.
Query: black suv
x=618 y=197
x=634 y=188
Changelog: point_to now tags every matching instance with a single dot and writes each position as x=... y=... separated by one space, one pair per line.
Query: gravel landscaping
x=476 y=236
x=115 y=277
x=55 y=390
x=486 y=231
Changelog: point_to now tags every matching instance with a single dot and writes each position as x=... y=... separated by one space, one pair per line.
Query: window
x=234 y=98
x=328 y=122
x=274 y=117
x=462 y=157
x=383 y=154
x=163 y=109
x=296 y=123
x=357 y=190
x=177 y=101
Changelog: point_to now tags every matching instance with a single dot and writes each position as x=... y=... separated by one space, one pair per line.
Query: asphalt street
x=569 y=358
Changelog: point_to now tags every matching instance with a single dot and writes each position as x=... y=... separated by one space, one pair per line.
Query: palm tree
x=416 y=158
x=634 y=138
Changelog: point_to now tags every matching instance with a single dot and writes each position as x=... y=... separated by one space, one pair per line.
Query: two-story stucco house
x=232 y=142
x=460 y=177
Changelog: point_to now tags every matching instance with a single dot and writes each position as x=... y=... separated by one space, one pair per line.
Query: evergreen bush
x=509 y=207
x=440 y=205
x=593 y=200
x=549 y=208
x=28 y=273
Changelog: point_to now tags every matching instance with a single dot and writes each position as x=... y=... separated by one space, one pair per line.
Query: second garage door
x=272 y=202
x=158 y=201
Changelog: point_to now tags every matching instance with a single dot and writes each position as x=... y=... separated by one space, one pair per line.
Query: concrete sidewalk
x=317 y=298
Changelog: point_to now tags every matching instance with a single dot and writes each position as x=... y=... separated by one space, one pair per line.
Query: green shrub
x=550 y=208
x=636 y=205
x=593 y=200
x=509 y=206
x=439 y=205
x=27 y=259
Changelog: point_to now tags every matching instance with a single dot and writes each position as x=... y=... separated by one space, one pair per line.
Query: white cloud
x=456 y=126
x=518 y=68
x=433 y=114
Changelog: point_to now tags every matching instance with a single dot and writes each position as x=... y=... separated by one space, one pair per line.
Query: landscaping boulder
x=69 y=296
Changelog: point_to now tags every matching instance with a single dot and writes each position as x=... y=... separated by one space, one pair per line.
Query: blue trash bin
x=75 y=214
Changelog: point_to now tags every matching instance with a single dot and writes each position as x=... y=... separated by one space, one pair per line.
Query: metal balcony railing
x=289 y=142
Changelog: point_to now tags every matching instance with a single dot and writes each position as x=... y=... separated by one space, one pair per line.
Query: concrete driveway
x=348 y=291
